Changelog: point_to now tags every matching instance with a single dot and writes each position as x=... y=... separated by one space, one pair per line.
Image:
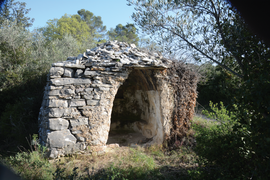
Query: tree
x=94 y=23
x=67 y=24
x=15 y=12
x=25 y=60
x=148 y=45
x=81 y=26
x=125 y=33
x=195 y=26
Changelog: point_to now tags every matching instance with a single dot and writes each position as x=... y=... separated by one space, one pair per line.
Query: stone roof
x=112 y=56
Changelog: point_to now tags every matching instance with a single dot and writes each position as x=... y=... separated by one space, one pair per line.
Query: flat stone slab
x=68 y=81
x=77 y=66
x=68 y=112
x=92 y=102
x=77 y=102
x=57 y=124
x=88 y=73
x=57 y=103
x=60 y=139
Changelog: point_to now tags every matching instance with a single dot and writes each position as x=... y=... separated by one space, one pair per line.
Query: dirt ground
x=126 y=138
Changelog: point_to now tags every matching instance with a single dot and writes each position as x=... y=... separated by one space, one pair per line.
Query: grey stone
x=97 y=96
x=68 y=112
x=104 y=51
x=86 y=107
x=79 y=73
x=68 y=72
x=67 y=81
x=89 y=73
x=53 y=153
x=77 y=102
x=56 y=72
x=57 y=103
x=67 y=92
x=79 y=66
x=92 y=102
x=134 y=62
x=116 y=69
x=56 y=112
x=125 y=61
x=81 y=139
x=54 y=92
x=60 y=139
x=79 y=90
x=80 y=56
x=76 y=131
x=147 y=59
x=104 y=88
x=57 y=124
x=88 y=89
x=87 y=96
x=78 y=122
x=58 y=64
x=126 y=50
x=90 y=53
x=132 y=45
x=71 y=113
x=118 y=53
x=85 y=55
x=102 y=85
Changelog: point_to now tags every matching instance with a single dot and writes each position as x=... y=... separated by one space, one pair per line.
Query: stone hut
x=113 y=93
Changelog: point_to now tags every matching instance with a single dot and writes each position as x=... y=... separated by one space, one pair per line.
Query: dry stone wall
x=79 y=97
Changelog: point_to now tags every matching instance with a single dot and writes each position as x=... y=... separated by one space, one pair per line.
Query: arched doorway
x=136 y=114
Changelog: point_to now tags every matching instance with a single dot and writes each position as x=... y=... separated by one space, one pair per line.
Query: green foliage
x=83 y=26
x=223 y=152
x=67 y=24
x=32 y=165
x=25 y=61
x=15 y=12
x=94 y=23
x=220 y=114
x=125 y=33
x=216 y=84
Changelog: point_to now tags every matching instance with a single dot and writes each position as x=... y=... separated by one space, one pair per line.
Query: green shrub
x=222 y=151
x=32 y=164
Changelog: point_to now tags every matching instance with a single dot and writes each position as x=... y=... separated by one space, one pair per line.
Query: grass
x=153 y=162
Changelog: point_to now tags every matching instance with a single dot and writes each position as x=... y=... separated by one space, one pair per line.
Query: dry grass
x=141 y=161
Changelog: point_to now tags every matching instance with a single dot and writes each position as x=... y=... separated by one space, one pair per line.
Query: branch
x=216 y=15
x=200 y=51
x=195 y=47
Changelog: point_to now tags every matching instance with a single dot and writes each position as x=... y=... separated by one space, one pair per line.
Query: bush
x=32 y=164
x=222 y=151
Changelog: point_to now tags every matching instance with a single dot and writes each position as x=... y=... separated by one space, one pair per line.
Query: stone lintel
x=69 y=81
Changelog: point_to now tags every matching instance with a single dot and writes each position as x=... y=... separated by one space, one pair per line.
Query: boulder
x=61 y=139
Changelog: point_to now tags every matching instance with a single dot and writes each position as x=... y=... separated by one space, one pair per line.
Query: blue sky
x=112 y=12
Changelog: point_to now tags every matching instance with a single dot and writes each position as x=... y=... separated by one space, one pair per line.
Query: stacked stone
x=78 y=97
